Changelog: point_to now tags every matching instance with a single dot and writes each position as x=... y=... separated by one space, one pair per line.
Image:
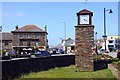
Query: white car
x=102 y=51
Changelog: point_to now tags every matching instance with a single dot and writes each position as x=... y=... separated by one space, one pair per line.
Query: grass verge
x=70 y=72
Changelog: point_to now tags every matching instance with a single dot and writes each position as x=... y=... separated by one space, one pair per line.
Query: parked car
x=118 y=55
x=53 y=51
x=103 y=51
x=42 y=53
x=60 y=51
x=11 y=53
x=24 y=54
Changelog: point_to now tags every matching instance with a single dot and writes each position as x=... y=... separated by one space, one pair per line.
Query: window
x=116 y=46
x=21 y=43
x=6 y=43
x=37 y=43
x=110 y=46
x=116 y=41
x=43 y=38
x=28 y=36
x=28 y=43
x=37 y=36
x=119 y=41
x=110 y=41
x=20 y=36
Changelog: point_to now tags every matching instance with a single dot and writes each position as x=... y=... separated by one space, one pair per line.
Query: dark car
x=118 y=55
x=42 y=53
x=60 y=51
x=11 y=53
x=53 y=51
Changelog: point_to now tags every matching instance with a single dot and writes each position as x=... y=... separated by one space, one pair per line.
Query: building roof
x=58 y=46
x=6 y=36
x=69 y=42
x=29 y=28
x=113 y=36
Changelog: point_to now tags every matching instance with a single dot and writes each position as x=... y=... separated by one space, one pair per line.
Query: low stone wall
x=115 y=70
x=15 y=68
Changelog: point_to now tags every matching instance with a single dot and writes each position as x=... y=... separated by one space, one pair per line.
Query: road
x=36 y=57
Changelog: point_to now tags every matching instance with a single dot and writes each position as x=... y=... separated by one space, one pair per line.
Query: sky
x=53 y=14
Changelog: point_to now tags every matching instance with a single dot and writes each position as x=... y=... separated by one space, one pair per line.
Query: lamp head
x=95 y=32
x=110 y=11
x=104 y=36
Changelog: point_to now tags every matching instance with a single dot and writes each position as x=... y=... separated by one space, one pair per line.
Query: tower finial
x=85 y=3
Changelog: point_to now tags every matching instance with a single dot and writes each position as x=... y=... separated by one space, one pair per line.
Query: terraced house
x=28 y=37
x=6 y=41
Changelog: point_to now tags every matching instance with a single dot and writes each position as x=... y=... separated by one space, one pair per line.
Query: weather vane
x=85 y=3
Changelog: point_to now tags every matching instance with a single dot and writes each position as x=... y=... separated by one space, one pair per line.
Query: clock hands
x=84 y=19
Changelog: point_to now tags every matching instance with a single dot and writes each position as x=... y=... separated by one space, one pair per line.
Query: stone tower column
x=84 y=41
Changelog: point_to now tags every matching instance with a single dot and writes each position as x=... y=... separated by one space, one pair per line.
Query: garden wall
x=115 y=70
x=15 y=68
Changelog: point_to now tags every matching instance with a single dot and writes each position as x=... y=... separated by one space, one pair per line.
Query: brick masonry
x=84 y=40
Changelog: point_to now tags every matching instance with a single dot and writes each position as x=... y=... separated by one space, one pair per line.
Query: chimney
x=16 y=27
x=45 y=28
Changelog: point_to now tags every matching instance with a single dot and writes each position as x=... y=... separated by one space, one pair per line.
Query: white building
x=112 y=43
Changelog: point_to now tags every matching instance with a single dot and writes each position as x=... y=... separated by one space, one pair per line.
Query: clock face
x=84 y=19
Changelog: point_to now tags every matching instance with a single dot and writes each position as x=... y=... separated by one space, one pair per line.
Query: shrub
x=116 y=61
x=103 y=58
x=99 y=47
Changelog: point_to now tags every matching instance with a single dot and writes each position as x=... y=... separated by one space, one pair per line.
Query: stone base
x=84 y=63
x=84 y=41
x=83 y=70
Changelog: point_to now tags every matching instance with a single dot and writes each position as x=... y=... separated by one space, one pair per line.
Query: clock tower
x=84 y=41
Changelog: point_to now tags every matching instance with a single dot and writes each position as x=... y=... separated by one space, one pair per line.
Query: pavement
x=112 y=54
x=63 y=54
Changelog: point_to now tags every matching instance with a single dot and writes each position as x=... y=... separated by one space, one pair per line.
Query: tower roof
x=85 y=11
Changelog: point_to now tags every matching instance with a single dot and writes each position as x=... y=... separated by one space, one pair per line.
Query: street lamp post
x=96 y=43
x=64 y=35
x=1 y=40
x=105 y=35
